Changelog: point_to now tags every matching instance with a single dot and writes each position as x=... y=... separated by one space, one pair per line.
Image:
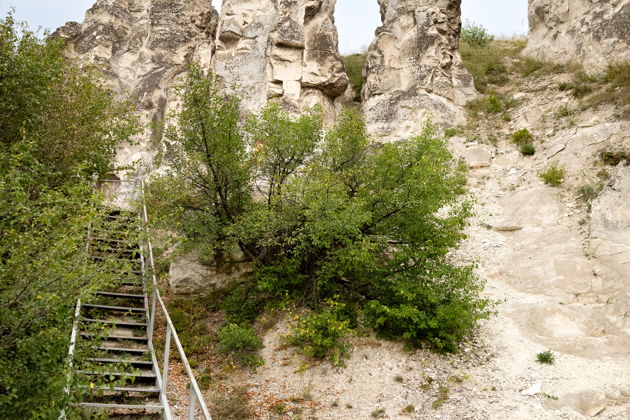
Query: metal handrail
x=195 y=395
x=148 y=269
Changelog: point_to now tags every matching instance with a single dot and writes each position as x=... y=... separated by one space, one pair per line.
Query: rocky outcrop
x=282 y=50
x=414 y=70
x=592 y=33
x=143 y=46
x=187 y=275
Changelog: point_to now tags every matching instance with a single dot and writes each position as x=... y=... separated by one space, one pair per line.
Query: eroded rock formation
x=143 y=46
x=414 y=70
x=281 y=49
x=592 y=33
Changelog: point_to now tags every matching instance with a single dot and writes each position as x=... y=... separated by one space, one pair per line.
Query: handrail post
x=152 y=314
x=192 y=402
x=167 y=351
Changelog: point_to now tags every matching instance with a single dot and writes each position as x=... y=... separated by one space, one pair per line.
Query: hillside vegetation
x=58 y=127
x=347 y=230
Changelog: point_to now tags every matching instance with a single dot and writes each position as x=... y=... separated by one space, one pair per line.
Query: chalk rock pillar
x=414 y=70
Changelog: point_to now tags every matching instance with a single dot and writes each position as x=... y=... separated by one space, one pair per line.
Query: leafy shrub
x=320 y=334
x=243 y=304
x=522 y=137
x=475 y=35
x=74 y=123
x=564 y=111
x=241 y=343
x=614 y=156
x=546 y=357
x=434 y=307
x=190 y=324
x=554 y=175
x=528 y=149
x=327 y=209
x=589 y=192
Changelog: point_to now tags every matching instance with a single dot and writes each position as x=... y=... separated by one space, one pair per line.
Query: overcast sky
x=356 y=19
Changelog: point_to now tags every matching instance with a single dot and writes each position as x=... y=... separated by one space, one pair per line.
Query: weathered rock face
x=187 y=276
x=593 y=33
x=610 y=239
x=414 y=70
x=144 y=46
x=281 y=49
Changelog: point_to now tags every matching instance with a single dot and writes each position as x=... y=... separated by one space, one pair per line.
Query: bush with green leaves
x=58 y=125
x=522 y=136
x=527 y=149
x=546 y=357
x=589 y=192
x=72 y=121
x=321 y=334
x=242 y=343
x=320 y=214
x=475 y=35
x=612 y=156
x=554 y=175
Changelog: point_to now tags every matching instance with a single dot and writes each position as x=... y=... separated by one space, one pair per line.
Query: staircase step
x=113 y=406
x=124 y=350
x=116 y=337
x=104 y=239
x=125 y=217
x=136 y=363
x=114 y=308
x=124 y=388
x=132 y=284
x=120 y=295
x=116 y=323
x=135 y=261
x=125 y=374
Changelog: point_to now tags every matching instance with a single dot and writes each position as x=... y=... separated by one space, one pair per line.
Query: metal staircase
x=112 y=352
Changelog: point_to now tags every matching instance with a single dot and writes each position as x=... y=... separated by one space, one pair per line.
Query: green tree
x=335 y=217
x=205 y=156
x=43 y=270
x=475 y=35
x=58 y=126
x=74 y=123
